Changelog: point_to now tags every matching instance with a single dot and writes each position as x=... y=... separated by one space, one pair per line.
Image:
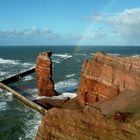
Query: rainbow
x=91 y=27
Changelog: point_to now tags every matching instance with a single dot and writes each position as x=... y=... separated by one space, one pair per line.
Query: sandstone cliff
x=88 y=124
x=44 y=75
x=105 y=77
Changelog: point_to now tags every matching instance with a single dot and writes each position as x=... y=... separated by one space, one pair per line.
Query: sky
x=70 y=22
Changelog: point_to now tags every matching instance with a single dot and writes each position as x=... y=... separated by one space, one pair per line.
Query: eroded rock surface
x=105 y=77
x=44 y=75
x=102 y=77
x=88 y=124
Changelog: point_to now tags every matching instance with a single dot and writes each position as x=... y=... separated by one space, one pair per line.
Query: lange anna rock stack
x=43 y=74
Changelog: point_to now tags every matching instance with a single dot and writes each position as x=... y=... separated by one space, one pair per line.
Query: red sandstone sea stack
x=44 y=75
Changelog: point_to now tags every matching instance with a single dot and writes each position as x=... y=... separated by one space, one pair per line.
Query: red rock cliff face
x=43 y=75
x=89 y=124
x=104 y=77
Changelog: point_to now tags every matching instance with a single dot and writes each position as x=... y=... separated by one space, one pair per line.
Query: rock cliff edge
x=107 y=106
x=105 y=77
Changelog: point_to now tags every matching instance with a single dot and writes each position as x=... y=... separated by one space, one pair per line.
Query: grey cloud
x=34 y=35
x=26 y=33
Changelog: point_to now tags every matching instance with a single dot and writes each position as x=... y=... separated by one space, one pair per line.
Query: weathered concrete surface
x=17 y=76
x=23 y=99
x=44 y=75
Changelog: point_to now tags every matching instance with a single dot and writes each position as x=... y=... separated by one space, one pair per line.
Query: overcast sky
x=69 y=22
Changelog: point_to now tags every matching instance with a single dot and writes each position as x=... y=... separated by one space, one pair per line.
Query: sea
x=19 y=122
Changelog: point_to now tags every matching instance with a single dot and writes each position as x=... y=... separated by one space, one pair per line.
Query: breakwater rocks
x=44 y=75
x=107 y=106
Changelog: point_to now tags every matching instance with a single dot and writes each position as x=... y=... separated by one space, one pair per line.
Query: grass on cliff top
x=125 y=102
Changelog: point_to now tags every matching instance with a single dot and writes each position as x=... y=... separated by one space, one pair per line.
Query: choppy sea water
x=18 y=122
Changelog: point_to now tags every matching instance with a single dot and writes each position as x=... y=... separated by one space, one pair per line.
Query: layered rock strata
x=105 y=77
x=44 y=75
x=102 y=77
x=88 y=124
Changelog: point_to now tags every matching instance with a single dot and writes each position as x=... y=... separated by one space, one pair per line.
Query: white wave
x=67 y=85
x=65 y=95
x=62 y=96
x=92 y=54
x=136 y=55
x=1 y=90
x=114 y=54
x=70 y=75
x=82 y=54
x=2 y=73
x=9 y=93
x=61 y=57
x=28 y=78
x=5 y=96
x=56 y=61
x=3 y=106
x=68 y=56
x=9 y=61
x=31 y=126
x=28 y=64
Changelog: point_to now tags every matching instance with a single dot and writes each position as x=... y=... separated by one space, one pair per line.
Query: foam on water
x=56 y=61
x=2 y=73
x=65 y=95
x=10 y=67
x=135 y=55
x=62 y=96
x=80 y=54
x=114 y=54
x=66 y=85
x=3 y=106
x=31 y=126
x=29 y=123
x=28 y=78
x=70 y=75
x=4 y=98
x=60 y=57
x=28 y=64
x=9 y=61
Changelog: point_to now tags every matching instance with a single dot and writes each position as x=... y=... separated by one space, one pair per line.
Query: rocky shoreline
x=107 y=105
